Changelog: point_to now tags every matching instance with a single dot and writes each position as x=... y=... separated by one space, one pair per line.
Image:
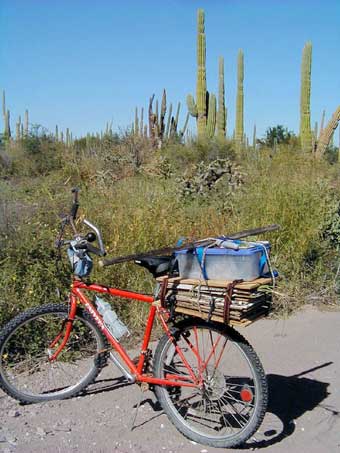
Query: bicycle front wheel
x=228 y=406
x=27 y=374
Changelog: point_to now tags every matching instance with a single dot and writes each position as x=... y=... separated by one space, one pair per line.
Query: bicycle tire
x=231 y=406
x=27 y=375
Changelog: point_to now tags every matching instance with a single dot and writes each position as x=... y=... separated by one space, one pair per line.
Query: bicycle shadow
x=289 y=398
x=105 y=385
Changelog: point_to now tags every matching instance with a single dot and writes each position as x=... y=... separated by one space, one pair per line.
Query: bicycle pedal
x=144 y=386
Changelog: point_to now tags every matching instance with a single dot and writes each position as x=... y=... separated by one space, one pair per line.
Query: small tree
x=278 y=134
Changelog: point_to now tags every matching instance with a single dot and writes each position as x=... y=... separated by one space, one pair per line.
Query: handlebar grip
x=95 y=250
x=107 y=262
x=89 y=248
x=110 y=261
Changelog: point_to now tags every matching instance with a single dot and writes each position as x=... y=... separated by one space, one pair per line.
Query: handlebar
x=80 y=242
x=75 y=205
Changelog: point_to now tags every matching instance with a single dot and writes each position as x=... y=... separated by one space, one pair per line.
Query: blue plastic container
x=224 y=264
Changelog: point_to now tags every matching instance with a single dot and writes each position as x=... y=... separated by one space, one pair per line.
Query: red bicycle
x=206 y=376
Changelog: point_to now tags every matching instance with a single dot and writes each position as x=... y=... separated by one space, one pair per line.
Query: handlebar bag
x=80 y=261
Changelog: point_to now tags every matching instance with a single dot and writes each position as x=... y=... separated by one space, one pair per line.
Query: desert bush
x=220 y=175
x=195 y=152
x=140 y=210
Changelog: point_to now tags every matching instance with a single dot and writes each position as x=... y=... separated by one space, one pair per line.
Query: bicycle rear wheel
x=26 y=373
x=229 y=406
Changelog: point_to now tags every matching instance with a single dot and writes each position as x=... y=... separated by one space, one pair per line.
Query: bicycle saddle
x=157 y=265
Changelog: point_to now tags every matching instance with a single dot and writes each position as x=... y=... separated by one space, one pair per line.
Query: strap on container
x=262 y=262
x=201 y=259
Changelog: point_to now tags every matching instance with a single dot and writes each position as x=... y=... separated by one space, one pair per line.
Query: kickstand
x=134 y=418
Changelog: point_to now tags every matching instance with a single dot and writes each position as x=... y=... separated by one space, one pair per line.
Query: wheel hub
x=215 y=383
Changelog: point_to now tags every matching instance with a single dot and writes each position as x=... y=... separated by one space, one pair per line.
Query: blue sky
x=80 y=64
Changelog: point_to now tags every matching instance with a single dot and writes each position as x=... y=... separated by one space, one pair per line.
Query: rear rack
x=235 y=303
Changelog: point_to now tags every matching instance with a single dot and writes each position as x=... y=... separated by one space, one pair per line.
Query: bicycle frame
x=78 y=297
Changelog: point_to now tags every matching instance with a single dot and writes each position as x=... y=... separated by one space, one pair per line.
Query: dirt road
x=301 y=356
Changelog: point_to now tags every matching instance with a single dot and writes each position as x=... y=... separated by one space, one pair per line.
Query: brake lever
x=99 y=236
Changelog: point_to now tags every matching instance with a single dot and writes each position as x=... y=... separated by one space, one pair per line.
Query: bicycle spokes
x=223 y=401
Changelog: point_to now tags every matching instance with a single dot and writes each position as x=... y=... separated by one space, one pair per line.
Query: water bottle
x=227 y=244
x=110 y=318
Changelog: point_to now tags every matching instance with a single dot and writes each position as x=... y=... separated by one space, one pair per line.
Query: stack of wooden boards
x=249 y=300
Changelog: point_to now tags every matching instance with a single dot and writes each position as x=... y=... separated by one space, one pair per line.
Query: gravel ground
x=302 y=361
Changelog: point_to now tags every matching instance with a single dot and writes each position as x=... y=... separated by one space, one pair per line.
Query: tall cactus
x=221 y=114
x=239 y=125
x=167 y=131
x=6 y=117
x=141 y=127
x=136 y=125
x=254 y=138
x=26 y=123
x=177 y=115
x=18 y=129
x=161 y=126
x=201 y=87
x=200 y=108
x=305 y=123
x=182 y=131
x=7 y=132
x=4 y=106
x=327 y=133
x=67 y=136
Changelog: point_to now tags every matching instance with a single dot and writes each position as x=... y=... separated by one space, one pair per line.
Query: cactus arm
x=192 y=107
x=211 y=122
x=327 y=133
x=322 y=122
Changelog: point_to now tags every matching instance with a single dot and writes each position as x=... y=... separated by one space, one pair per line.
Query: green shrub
x=140 y=210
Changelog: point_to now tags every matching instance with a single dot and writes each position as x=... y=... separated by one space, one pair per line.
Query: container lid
x=222 y=251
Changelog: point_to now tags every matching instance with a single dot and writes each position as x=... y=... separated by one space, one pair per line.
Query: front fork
x=64 y=331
